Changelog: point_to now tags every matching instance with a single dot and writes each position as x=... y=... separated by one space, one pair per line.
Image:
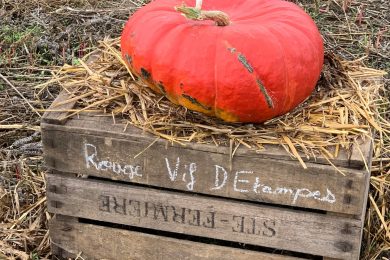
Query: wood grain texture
x=267 y=226
x=59 y=116
x=362 y=217
x=132 y=158
x=361 y=153
x=89 y=124
x=99 y=242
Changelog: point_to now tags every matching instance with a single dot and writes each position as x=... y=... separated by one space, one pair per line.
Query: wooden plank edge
x=121 y=131
x=57 y=115
x=71 y=238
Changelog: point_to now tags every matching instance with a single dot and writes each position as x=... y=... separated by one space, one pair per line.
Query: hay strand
x=339 y=112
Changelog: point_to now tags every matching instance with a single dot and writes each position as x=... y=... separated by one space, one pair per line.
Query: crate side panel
x=92 y=125
x=196 y=215
x=139 y=160
x=99 y=242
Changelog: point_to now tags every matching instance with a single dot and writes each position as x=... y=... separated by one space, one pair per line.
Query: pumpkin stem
x=198 y=4
x=195 y=13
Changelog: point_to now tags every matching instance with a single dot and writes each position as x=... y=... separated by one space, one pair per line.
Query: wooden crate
x=145 y=198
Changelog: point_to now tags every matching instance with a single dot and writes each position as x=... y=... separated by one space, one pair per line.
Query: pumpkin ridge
x=286 y=76
x=298 y=28
x=313 y=48
x=177 y=88
x=218 y=38
x=276 y=34
x=146 y=70
x=153 y=60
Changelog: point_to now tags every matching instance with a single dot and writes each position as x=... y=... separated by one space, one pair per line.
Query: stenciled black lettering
x=210 y=220
x=119 y=208
x=104 y=203
x=161 y=209
x=195 y=221
x=136 y=206
x=252 y=229
x=148 y=205
x=179 y=217
x=240 y=224
x=270 y=226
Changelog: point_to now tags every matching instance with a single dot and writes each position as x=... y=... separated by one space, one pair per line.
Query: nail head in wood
x=344 y=246
x=347 y=198
x=52 y=188
x=347 y=230
x=348 y=184
x=56 y=204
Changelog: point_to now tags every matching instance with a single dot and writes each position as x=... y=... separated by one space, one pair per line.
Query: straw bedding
x=343 y=108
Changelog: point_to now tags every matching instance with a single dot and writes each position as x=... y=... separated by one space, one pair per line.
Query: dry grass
x=23 y=211
x=341 y=110
x=51 y=32
x=36 y=35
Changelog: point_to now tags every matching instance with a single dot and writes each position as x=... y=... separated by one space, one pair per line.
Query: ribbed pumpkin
x=249 y=62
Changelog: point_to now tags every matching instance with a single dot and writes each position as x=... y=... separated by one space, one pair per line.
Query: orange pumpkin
x=249 y=61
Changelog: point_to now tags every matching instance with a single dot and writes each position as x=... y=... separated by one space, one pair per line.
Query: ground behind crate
x=36 y=35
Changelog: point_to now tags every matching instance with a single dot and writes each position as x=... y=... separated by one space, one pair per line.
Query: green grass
x=13 y=34
x=35 y=256
x=15 y=39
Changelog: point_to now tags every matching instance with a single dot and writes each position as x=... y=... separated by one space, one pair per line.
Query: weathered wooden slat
x=361 y=153
x=99 y=242
x=267 y=226
x=57 y=113
x=96 y=125
x=257 y=179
